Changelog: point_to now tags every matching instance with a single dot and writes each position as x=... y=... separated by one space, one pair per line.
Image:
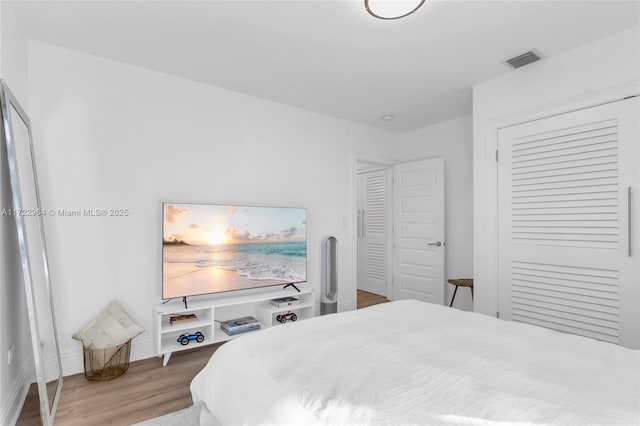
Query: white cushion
x=113 y=327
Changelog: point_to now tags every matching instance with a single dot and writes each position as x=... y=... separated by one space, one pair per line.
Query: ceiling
x=331 y=57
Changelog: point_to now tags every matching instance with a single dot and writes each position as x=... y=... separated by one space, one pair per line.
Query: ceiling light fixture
x=392 y=9
x=388 y=117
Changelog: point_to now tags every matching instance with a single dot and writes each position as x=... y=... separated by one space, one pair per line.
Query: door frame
x=485 y=205
x=376 y=164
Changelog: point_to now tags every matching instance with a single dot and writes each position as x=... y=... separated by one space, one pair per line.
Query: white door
x=418 y=217
x=567 y=259
x=373 y=201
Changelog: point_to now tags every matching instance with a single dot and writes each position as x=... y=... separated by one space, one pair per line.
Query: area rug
x=187 y=417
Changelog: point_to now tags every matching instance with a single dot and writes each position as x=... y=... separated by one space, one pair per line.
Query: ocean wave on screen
x=262 y=272
x=259 y=262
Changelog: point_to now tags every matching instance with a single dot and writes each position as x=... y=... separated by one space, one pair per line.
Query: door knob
x=437 y=244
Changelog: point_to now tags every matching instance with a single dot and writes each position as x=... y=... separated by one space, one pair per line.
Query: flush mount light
x=392 y=9
x=388 y=117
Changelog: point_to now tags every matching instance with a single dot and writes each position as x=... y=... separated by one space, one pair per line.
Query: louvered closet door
x=564 y=235
x=372 y=231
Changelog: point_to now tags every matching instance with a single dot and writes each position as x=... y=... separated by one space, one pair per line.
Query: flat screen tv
x=210 y=248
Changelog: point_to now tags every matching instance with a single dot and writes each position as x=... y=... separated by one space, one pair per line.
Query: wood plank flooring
x=369 y=299
x=145 y=391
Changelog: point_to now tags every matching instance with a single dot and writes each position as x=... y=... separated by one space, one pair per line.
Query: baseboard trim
x=12 y=405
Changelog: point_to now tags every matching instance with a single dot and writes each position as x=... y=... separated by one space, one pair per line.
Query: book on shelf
x=241 y=327
x=179 y=319
x=244 y=323
x=240 y=331
x=282 y=302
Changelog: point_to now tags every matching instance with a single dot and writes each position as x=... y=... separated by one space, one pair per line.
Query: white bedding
x=410 y=362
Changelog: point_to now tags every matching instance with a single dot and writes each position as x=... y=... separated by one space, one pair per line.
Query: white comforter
x=409 y=362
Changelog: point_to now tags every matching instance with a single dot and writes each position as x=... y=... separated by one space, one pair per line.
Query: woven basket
x=106 y=364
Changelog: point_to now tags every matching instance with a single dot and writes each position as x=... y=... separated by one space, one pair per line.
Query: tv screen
x=209 y=248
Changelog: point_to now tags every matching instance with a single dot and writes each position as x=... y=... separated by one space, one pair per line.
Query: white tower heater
x=329 y=284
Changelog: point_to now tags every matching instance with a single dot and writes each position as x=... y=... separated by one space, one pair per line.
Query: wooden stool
x=462 y=282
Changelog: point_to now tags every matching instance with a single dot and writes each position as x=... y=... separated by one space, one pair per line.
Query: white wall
x=14 y=325
x=598 y=72
x=110 y=135
x=452 y=140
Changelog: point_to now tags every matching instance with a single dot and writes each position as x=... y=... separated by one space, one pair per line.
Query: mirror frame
x=7 y=100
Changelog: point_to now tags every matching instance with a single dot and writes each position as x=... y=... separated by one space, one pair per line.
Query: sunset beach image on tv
x=214 y=248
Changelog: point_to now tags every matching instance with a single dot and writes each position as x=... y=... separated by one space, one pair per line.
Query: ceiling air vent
x=524 y=59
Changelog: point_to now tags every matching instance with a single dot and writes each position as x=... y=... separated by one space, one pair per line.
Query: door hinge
x=497 y=314
x=496 y=155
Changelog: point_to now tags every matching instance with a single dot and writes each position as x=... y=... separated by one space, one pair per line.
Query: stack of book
x=240 y=325
x=179 y=319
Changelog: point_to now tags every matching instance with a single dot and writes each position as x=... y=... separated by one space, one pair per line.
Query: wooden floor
x=145 y=391
x=369 y=299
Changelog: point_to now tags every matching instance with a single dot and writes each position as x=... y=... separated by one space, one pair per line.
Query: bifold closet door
x=569 y=240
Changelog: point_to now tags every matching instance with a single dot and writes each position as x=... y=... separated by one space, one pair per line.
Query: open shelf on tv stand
x=209 y=311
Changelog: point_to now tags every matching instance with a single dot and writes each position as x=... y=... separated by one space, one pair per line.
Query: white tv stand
x=209 y=311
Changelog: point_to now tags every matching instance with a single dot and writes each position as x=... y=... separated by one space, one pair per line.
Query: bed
x=410 y=362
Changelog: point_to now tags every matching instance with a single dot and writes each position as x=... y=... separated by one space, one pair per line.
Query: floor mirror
x=28 y=214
